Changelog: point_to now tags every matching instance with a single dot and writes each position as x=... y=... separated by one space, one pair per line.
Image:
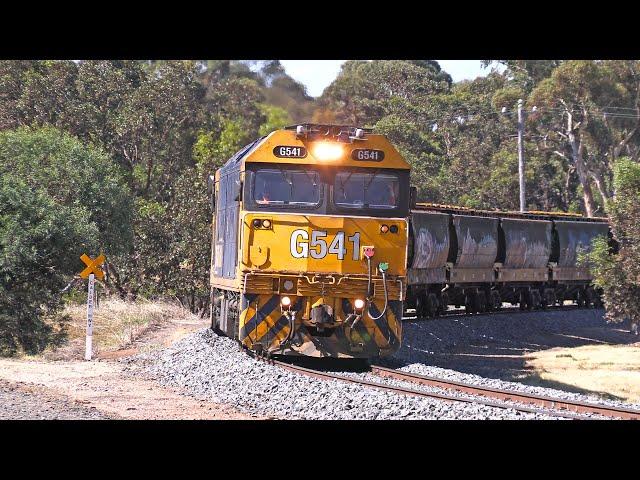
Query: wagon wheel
x=549 y=298
x=443 y=304
x=495 y=301
x=590 y=297
x=432 y=305
x=580 y=298
x=536 y=301
x=420 y=303
x=469 y=303
x=480 y=302
x=525 y=300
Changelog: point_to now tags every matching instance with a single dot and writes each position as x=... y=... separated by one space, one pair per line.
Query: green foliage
x=276 y=118
x=618 y=274
x=72 y=175
x=58 y=200
x=142 y=136
x=211 y=150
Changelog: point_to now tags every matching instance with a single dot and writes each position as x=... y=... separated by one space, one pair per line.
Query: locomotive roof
x=262 y=149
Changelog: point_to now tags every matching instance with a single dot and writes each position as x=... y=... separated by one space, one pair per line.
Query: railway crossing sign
x=93 y=266
x=91 y=272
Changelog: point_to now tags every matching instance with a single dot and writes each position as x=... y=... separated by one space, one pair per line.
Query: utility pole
x=521 y=154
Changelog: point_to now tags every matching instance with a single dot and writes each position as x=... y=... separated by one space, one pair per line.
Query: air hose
x=383 y=271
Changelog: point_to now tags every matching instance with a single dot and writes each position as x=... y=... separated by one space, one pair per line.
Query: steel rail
x=510 y=395
x=408 y=391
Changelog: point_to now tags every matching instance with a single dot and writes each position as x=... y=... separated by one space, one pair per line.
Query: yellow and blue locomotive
x=309 y=250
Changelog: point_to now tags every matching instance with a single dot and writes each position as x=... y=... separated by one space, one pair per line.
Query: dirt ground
x=62 y=377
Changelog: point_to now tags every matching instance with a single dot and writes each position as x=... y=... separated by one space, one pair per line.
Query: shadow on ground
x=496 y=345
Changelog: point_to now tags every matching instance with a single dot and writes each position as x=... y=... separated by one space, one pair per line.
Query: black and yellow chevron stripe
x=262 y=322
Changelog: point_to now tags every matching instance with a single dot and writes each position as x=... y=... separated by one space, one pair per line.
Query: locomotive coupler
x=321 y=316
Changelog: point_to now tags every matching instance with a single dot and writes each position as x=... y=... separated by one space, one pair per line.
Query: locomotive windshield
x=287 y=187
x=368 y=190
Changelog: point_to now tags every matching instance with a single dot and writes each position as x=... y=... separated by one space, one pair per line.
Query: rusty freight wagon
x=479 y=259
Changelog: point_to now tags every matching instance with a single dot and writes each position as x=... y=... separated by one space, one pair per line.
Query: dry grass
x=117 y=324
x=607 y=369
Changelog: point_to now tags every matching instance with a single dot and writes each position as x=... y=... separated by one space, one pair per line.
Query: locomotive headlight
x=327 y=151
x=266 y=223
x=285 y=301
x=359 y=304
x=384 y=228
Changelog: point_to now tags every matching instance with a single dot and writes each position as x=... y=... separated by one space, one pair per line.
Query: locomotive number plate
x=319 y=246
x=283 y=151
x=366 y=154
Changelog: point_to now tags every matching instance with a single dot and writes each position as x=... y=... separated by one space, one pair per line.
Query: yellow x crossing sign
x=93 y=266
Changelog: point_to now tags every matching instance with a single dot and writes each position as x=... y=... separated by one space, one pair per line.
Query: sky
x=318 y=74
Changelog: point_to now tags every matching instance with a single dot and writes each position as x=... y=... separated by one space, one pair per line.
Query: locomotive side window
x=368 y=190
x=287 y=187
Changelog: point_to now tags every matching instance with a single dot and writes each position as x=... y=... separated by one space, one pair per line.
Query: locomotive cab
x=310 y=243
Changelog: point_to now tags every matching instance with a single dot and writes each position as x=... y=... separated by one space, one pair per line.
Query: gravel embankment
x=489 y=350
x=495 y=345
x=447 y=374
x=211 y=367
x=425 y=388
x=17 y=403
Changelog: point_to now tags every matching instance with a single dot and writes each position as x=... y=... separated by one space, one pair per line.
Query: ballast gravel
x=447 y=374
x=211 y=367
x=489 y=350
x=462 y=395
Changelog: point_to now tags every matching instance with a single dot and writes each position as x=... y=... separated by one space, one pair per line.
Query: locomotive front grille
x=340 y=287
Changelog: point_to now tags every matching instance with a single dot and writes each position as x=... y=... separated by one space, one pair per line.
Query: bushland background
x=112 y=156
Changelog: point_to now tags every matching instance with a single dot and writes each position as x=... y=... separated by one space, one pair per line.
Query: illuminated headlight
x=327 y=151
x=359 y=304
x=384 y=228
x=285 y=301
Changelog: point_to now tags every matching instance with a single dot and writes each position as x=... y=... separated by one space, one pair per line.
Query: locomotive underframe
x=253 y=314
x=434 y=299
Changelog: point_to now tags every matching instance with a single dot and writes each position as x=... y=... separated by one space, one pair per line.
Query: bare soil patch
x=121 y=329
x=105 y=386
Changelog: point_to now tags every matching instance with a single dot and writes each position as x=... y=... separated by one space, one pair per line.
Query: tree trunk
x=602 y=187
x=577 y=148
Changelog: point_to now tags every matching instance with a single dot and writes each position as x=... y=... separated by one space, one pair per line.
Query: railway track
x=568 y=406
x=498 y=398
x=477 y=397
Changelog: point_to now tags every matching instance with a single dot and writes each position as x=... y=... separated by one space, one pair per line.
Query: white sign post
x=90 y=299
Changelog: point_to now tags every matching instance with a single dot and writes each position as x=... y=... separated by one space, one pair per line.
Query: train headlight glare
x=384 y=228
x=266 y=223
x=285 y=301
x=327 y=151
x=359 y=304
